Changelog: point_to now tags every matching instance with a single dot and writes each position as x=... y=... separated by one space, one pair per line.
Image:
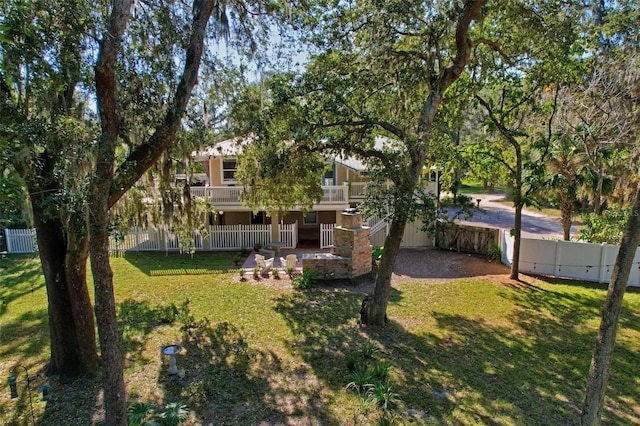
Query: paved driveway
x=501 y=215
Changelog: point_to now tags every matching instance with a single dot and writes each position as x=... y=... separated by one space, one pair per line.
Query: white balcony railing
x=358 y=190
x=219 y=195
x=230 y=195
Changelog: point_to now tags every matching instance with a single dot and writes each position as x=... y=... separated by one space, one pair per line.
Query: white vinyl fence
x=223 y=237
x=568 y=259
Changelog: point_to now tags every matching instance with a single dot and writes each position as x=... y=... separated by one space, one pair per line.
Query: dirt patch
x=438 y=265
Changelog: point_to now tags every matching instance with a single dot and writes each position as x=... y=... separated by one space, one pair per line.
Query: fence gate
x=326 y=235
x=467 y=239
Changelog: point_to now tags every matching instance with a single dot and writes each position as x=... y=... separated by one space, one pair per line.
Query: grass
x=462 y=352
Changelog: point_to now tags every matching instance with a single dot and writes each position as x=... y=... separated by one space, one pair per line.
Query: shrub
x=607 y=228
x=495 y=253
x=304 y=281
x=289 y=270
x=256 y=273
x=144 y=413
x=274 y=273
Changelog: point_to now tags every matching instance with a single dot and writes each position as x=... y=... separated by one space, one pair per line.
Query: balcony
x=333 y=195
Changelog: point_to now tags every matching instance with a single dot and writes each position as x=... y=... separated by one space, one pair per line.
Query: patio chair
x=265 y=265
x=291 y=260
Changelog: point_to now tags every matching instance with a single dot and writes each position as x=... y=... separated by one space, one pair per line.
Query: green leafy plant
x=369 y=351
x=237 y=259
x=606 y=228
x=174 y=413
x=376 y=253
x=304 y=281
x=275 y=274
x=241 y=272
x=289 y=270
x=144 y=413
x=256 y=273
x=360 y=379
x=383 y=395
x=495 y=253
x=380 y=370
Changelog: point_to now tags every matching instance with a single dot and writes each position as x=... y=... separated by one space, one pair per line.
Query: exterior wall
x=215 y=166
x=350 y=255
x=237 y=218
x=413 y=236
x=326 y=217
x=343 y=174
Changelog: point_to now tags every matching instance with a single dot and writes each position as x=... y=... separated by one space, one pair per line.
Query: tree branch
x=145 y=155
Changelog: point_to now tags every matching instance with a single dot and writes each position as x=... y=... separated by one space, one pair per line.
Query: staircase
x=376 y=224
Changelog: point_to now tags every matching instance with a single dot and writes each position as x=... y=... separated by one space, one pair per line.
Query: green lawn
x=462 y=352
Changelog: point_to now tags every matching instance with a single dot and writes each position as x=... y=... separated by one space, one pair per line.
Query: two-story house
x=344 y=185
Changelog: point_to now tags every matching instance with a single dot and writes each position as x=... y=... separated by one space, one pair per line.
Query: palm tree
x=566 y=169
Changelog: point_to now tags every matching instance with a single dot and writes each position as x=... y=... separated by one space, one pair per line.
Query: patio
x=250 y=262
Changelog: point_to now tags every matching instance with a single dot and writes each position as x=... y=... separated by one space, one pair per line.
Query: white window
x=229 y=166
x=311 y=218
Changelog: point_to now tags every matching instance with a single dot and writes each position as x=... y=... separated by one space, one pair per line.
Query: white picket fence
x=21 y=240
x=326 y=235
x=222 y=237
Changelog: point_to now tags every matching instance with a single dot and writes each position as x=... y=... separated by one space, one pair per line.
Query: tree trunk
x=374 y=307
x=112 y=367
x=517 y=237
x=603 y=353
x=566 y=210
x=82 y=308
x=597 y=198
x=71 y=326
x=518 y=203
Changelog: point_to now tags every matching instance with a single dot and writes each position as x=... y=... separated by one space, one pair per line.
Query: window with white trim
x=229 y=167
x=311 y=218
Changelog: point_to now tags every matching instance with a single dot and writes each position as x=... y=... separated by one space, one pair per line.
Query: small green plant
x=144 y=413
x=380 y=370
x=304 y=281
x=360 y=380
x=274 y=274
x=383 y=395
x=237 y=259
x=376 y=253
x=256 y=273
x=241 y=272
x=369 y=351
x=289 y=270
x=243 y=251
x=495 y=253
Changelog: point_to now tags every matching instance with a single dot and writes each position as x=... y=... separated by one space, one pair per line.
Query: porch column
x=275 y=226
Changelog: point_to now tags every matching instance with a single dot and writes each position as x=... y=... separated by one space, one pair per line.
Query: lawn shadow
x=468 y=370
x=30 y=341
x=18 y=278
x=227 y=381
x=199 y=263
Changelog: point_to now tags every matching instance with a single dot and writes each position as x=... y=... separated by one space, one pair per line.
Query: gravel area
x=437 y=265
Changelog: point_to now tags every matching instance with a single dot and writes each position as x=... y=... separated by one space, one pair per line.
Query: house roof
x=226 y=148
x=233 y=147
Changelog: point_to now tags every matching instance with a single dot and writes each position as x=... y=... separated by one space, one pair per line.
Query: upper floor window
x=328 y=179
x=229 y=167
